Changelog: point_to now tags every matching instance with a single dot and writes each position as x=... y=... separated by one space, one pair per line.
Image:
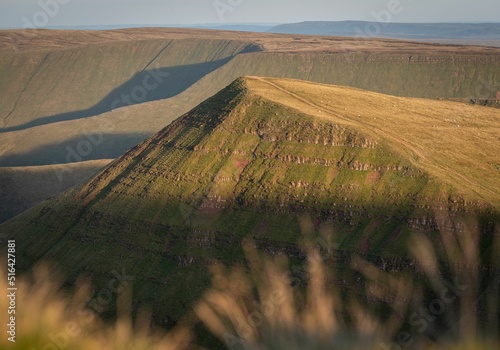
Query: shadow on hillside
x=20 y=191
x=166 y=263
x=145 y=86
x=76 y=150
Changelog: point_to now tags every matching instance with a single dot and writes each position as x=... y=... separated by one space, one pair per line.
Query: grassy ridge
x=247 y=163
x=410 y=75
x=444 y=138
x=45 y=87
x=59 y=87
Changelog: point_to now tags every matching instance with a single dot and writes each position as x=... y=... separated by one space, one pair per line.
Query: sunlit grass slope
x=246 y=163
x=456 y=143
x=57 y=87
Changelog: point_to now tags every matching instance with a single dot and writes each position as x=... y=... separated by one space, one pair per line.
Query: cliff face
x=242 y=165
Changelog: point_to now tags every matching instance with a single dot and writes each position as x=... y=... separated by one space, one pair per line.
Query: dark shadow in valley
x=78 y=149
x=145 y=86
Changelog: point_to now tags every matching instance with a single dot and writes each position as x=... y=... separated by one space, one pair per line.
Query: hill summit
x=249 y=162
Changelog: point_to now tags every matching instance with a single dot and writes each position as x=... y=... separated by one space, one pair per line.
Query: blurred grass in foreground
x=49 y=319
x=440 y=305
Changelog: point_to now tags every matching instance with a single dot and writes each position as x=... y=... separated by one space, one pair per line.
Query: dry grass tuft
x=259 y=307
x=48 y=318
x=262 y=310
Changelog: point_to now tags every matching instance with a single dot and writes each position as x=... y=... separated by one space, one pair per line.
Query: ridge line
x=403 y=142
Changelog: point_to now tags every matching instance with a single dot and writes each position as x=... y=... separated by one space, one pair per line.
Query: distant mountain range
x=467 y=31
x=242 y=27
x=477 y=31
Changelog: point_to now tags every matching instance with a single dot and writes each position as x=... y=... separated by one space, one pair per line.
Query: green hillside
x=74 y=84
x=55 y=85
x=249 y=162
x=24 y=187
x=60 y=90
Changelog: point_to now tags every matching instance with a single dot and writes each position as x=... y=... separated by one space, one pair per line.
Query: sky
x=47 y=13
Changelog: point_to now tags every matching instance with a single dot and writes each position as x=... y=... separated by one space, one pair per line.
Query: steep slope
x=44 y=85
x=24 y=143
x=24 y=187
x=249 y=162
x=61 y=90
x=93 y=77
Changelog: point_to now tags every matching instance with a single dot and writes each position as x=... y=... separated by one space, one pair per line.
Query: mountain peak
x=256 y=116
x=249 y=162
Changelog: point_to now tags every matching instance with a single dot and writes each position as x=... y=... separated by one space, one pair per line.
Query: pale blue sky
x=15 y=13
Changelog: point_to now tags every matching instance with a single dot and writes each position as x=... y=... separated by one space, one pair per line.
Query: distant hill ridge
x=384 y=29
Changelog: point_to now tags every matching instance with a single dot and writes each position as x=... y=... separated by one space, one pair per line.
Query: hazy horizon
x=73 y=13
x=214 y=24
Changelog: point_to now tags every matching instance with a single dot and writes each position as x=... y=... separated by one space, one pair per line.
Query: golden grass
x=48 y=319
x=455 y=143
x=258 y=307
x=261 y=310
x=461 y=242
